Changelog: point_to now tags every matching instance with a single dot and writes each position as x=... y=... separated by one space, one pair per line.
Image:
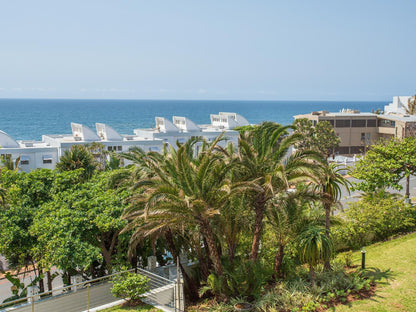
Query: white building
x=398 y=106
x=46 y=153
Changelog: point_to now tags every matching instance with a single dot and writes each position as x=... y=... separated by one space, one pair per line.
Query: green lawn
x=143 y=308
x=396 y=260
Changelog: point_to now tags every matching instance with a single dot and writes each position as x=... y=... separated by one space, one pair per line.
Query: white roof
x=6 y=141
x=106 y=133
x=185 y=124
x=83 y=133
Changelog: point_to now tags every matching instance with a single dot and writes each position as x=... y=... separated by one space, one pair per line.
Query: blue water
x=28 y=119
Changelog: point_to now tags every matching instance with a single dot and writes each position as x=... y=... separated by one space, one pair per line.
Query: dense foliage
x=130 y=286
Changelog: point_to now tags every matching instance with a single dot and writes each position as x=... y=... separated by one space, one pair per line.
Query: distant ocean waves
x=28 y=119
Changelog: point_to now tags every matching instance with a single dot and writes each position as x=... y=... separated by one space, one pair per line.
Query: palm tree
x=77 y=157
x=315 y=246
x=329 y=187
x=265 y=161
x=288 y=215
x=185 y=191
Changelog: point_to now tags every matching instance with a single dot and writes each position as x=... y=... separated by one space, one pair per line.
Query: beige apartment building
x=359 y=130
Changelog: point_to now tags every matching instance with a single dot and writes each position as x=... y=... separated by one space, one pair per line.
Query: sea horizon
x=29 y=119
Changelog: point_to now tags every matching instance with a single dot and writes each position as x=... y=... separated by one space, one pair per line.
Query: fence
x=87 y=296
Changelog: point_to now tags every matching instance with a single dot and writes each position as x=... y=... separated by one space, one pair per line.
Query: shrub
x=374 y=219
x=130 y=286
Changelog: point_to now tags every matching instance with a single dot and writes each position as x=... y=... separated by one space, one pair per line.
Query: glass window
x=342 y=123
x=371 y=123
x=358 y=123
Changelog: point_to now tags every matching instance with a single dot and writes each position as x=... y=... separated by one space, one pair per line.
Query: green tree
x=27 y=192
x=75 y=158
x=314 y=247
x=320 y=137
x=81 y=224
x=386 y=164
x=265 y=161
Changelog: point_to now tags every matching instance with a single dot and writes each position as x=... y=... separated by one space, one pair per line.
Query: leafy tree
x=76 y=158
x=385 y=164
x=81 y=225
x=264 y=161
x=321 y=137
x=27 y=192
x=314 y=247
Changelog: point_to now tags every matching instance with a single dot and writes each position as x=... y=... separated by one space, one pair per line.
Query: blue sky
x=251 y=50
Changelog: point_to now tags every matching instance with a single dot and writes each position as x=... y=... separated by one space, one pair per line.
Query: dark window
x=47 y=161
x=119 y=148
x=314 y=122
x=343 y=123
x=110 y=148
x=24 y=162
x=371 y=123
x=386 y=123
x=358 y=123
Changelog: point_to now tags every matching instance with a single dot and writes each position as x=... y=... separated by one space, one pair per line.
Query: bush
x=130 y=286
x=374 y=219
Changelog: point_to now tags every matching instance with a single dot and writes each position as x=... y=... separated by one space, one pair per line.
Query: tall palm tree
x=329 y=186
x=266 y=161
x=186 y=189
x=314 y=247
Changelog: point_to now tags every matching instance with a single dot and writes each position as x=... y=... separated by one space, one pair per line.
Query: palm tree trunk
x=259 y=207
x=327 y=206
x=312 y=275
x=278 y=260
x=209 y=236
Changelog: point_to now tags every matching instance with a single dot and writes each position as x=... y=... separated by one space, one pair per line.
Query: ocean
x=28 y=119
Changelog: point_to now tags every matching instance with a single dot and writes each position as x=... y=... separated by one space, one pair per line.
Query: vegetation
x=140 y=308
x=130 y=286
x=320 y=137
x=385 y=164
x=253 y=216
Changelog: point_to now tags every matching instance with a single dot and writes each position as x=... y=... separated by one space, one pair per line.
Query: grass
x=141 y=308
x=396 y=261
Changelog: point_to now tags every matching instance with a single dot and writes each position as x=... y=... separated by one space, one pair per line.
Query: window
x=119 y=148
x=358 y=123
x=24 y=160
x=342 y=123
x=153 y=149
x=386 y=123
x=109 y=148
x=47 y=159
x=371 y=123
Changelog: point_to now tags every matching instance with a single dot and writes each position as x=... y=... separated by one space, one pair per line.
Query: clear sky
x=251 y=50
